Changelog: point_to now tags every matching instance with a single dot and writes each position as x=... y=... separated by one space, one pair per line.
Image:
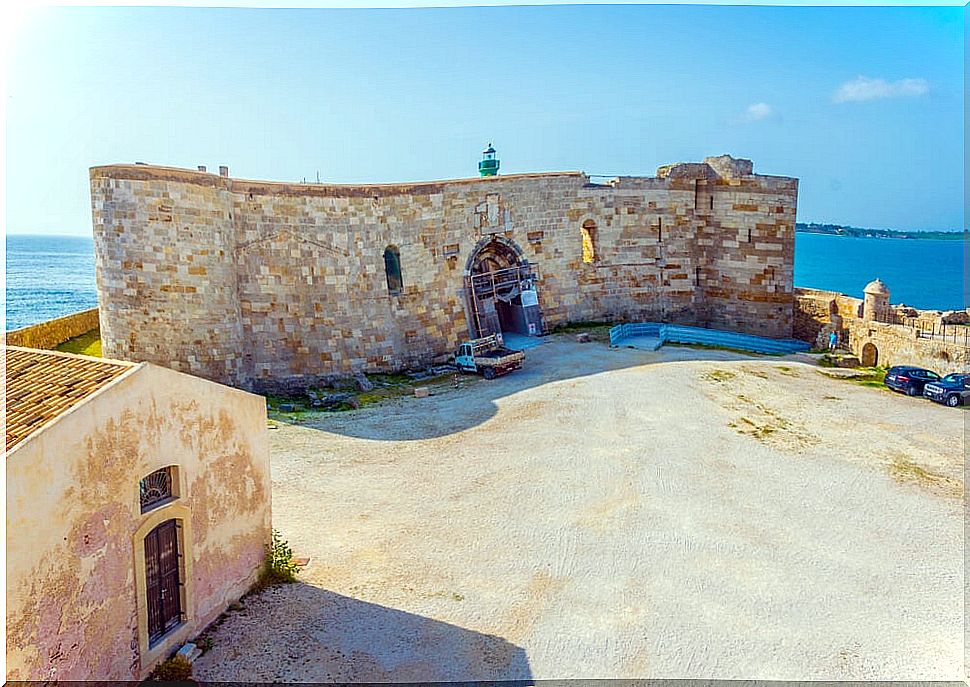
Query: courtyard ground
x=616 y=513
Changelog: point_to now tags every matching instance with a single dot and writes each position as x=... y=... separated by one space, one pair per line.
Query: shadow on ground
x=450 y=410
x=300 y=633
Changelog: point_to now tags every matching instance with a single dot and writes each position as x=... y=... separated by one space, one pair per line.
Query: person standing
x=833 y=340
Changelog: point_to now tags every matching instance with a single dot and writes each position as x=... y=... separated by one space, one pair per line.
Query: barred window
x=157 y=489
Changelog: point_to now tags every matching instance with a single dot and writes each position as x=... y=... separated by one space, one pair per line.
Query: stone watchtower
x=875 y=304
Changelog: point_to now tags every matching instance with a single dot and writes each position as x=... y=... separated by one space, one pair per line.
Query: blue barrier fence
x=675 y=333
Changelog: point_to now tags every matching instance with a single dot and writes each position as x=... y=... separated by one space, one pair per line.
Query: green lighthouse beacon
x=488 y=167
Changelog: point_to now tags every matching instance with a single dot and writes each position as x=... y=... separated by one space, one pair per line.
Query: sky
x=864 y=105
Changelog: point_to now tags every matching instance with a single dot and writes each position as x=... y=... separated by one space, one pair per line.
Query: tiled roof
x=43 y=384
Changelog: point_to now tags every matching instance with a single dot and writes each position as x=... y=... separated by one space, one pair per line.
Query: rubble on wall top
x=720 y=166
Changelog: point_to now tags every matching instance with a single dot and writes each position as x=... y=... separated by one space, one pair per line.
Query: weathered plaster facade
x=75 y=586
x=261 y=284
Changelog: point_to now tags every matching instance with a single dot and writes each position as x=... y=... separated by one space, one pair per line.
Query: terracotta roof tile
x=40 y=385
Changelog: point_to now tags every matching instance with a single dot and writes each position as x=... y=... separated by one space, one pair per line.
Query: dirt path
x=617 y=513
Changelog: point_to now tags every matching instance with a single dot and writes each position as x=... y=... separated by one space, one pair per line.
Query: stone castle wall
x=47 y=335
x=818 y=312
x=262 y=284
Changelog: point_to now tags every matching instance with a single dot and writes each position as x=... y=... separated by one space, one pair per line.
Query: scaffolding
x=498 y=285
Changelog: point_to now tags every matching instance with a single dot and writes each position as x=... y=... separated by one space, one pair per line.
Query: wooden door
x=162 y=569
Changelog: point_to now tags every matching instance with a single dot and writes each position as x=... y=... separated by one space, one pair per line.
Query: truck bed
x=500 y=358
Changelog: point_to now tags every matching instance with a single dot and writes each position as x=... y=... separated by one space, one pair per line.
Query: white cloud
x=757 y=111
x=863 y=88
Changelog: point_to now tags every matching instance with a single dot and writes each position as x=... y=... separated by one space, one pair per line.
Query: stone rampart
x=47 y=335
x=901 y=342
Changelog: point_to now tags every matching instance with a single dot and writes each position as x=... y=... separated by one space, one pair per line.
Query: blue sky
x=864 y=105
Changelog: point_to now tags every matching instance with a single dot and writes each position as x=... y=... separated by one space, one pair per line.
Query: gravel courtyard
x=616 y=514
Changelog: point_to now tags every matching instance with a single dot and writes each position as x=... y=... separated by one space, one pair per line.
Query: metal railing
x=958 y=334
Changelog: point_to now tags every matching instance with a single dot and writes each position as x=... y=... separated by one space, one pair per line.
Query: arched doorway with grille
x=501 y=290
x=870 y=355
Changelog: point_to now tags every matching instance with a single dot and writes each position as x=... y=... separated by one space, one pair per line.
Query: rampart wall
x=818 y=312
x=263 y=285
x=47 y=335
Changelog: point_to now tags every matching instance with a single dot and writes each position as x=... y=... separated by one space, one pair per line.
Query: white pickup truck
x=487 y=357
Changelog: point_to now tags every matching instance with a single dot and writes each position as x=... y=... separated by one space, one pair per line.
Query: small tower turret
x=488 y=167
x=875 y=302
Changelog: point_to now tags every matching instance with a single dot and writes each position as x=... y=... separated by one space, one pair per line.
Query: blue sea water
x=923 y=273
x=47 y=277
x=50 y=276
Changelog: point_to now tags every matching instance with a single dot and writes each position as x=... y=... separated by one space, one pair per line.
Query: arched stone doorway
x=500 y=290
x=870 y=355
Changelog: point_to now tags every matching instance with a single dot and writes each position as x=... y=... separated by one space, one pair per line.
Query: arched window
x=588 y=231
x=158 y=488
x=392 y=268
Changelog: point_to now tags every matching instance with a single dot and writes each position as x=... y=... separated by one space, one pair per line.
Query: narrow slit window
x=392 y=269
x=588 y=231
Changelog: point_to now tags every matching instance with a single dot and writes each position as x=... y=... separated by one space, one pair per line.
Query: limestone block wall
x=47 y=335
x=75 y=599
x=901 y=345
x=269 y=285
x=164 y=266
x=818 y=311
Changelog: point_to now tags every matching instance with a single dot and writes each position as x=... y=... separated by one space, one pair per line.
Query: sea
x=50 y=276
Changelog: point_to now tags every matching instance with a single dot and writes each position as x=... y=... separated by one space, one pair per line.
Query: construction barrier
x=675 y=333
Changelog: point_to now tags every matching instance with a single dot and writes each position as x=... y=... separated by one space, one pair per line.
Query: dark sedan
x=908 y=379
x=953 y=390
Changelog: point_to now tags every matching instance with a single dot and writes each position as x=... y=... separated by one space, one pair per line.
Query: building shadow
x=449 y=410
x=301 y=633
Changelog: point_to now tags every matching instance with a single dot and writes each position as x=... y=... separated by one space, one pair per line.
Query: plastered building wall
x=74 y=588
x=264 y=285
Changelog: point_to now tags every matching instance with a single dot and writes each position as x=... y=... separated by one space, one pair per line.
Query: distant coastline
x=860 y=233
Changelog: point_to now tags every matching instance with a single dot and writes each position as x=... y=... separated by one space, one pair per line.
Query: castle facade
x=267 y=285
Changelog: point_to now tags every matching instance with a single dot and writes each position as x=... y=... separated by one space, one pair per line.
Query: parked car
x=908 y=379
x=954 y=390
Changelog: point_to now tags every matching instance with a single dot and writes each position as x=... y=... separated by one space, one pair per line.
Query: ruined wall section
x=163 y=242
x=749 y=246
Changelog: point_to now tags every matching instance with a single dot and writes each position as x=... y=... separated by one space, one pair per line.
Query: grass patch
x=905 y=471
x=174 y=669
x=580 y=326
x=719 y=375
x=871 y=377
x=86 y=344
x=712 y=347
x=387 y=387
